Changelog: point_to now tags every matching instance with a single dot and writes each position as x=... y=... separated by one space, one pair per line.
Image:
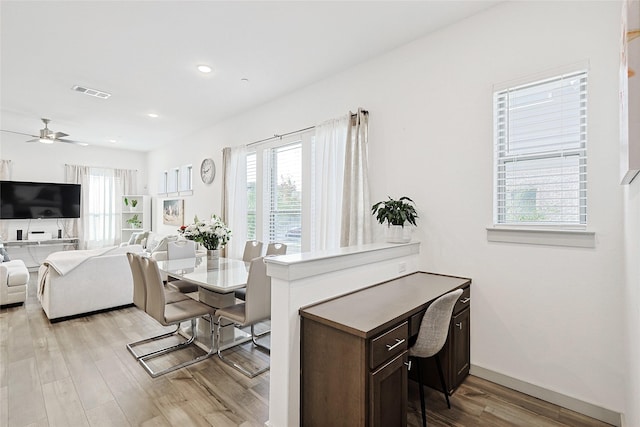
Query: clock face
x=207 y=171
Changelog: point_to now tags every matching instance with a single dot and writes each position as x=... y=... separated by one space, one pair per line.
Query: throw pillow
x=140 y=237
x=132 y=239
x=162 y=244
x=4 y=255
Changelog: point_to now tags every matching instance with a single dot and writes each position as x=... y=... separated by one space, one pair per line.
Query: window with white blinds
x=251 y=196
x=276 y=172
x=285 y=196
x=540 y=152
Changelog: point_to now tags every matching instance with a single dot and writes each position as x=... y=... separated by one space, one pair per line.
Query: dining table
x=217 y=284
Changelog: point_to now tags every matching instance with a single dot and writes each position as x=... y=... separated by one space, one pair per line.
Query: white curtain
x=5 y=174
x=234 y=198
x=99 y=224
x=327 y=182
x=356 y=215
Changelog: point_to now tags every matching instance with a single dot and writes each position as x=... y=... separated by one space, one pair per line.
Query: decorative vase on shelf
x=213 y=259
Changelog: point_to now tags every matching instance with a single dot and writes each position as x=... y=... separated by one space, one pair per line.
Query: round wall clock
x=207 y=171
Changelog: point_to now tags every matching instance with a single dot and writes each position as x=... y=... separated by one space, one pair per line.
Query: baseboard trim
x=577 y=405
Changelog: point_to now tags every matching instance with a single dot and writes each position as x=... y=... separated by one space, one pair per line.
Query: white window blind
x=251 y=196
x=540 y=133
x=285 y=196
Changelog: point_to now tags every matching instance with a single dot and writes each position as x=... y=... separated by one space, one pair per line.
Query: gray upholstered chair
x=168 y=314
x=252 y=249
x=256 y=308
x=140 y=300
x=276 y=249
x=177 y=250
x=432 y=335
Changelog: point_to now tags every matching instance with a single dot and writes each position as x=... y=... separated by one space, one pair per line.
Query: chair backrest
x=258 y=296
x=252 y=249
x=181 y=249
x=276 y=249
x=155 y=289
x=435 y=325
x=139 y=290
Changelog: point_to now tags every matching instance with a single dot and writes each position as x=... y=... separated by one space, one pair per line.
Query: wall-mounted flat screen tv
x=29 y=200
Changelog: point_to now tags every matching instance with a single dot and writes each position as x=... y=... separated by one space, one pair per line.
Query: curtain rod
x=279 y=136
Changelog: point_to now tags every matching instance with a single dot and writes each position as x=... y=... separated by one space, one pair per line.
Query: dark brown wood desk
x=354 y=350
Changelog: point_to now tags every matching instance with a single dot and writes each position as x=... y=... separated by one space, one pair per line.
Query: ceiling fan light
x=46 y=140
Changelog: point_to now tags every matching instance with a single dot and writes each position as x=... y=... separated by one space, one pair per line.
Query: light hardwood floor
x=79 y=373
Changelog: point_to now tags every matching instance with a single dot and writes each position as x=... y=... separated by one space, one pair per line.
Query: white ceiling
x=145 y=54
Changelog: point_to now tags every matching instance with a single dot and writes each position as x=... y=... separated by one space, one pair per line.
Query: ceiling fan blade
x=33 y=140
x=69 y=141
x=57 y=135
x=19 y=133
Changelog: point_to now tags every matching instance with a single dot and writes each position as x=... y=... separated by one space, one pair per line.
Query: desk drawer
x=464 y=301
x=389 y=344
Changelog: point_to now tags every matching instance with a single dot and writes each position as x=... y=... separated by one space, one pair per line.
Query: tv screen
x=28 y=200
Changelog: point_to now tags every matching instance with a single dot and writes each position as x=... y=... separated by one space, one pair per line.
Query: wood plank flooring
x=79 y=373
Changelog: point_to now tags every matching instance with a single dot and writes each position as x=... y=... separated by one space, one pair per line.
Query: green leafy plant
x=134 y=202
x=134 y=221
x=395 y=212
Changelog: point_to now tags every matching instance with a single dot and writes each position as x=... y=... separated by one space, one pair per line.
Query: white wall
x=632 y=302
x=46 y=163
x=550 y=316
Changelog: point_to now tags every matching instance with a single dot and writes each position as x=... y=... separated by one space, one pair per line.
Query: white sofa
x=14 y=277
x=71 y=283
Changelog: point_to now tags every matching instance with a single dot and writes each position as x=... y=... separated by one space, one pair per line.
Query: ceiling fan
x=47 y=136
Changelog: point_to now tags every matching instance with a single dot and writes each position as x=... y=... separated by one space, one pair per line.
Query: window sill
x=550 y=237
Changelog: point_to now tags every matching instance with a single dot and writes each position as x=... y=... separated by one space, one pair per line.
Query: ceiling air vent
x=91 y=92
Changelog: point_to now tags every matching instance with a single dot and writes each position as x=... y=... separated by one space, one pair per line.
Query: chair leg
x=233 y=364
x=421 y=388
x=143 y=360
x=254 y=338
x=445 y=390
x=130 y=346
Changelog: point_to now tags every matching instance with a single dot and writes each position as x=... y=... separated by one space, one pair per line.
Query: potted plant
x=134 y=221
x=396 y=213
x=134 y=202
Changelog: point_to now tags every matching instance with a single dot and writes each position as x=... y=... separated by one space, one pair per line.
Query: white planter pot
x=398 y=234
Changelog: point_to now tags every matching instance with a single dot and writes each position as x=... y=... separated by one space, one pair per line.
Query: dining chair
x=252 y=249
x=168 y=314
x=276 y=249
x=432 y=335
x=256 y=308
x=177 y=250
x=140 y=300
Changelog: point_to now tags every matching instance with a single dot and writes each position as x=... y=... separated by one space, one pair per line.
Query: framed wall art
x=173 y=212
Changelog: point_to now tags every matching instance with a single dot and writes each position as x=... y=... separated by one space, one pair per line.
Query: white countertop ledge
x=307 y=264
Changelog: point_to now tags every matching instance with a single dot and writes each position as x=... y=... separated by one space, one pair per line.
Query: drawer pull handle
x=465 y=300
x=398 y=342
x=459 y=325
x=408 y=364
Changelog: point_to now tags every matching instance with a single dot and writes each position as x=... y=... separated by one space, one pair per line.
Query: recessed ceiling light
x=204 y=68
x=244 y=80
x=152 y=115
x=113 y=141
